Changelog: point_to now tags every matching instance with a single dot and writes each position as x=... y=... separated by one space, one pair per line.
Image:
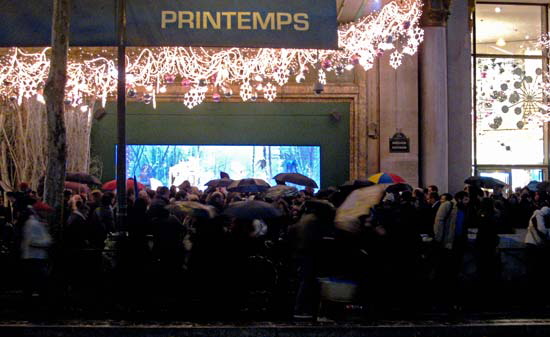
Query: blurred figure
x=34 y=249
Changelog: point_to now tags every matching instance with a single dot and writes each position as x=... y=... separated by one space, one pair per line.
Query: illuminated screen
x=166 y=165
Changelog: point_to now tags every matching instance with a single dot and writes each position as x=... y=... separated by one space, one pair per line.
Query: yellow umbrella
x=358 y=203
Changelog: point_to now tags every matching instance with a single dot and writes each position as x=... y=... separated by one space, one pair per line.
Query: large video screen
x=166 y=165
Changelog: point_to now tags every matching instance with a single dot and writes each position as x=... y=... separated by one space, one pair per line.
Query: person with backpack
x=537 y=252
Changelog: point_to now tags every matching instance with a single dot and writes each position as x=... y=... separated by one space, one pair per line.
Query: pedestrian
x=34 y=249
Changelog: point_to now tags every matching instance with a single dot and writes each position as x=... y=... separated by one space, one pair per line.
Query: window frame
x=545 y=166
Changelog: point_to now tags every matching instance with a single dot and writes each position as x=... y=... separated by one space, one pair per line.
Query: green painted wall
x=232 y=124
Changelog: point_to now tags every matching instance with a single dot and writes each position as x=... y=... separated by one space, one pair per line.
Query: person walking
x=34 y=249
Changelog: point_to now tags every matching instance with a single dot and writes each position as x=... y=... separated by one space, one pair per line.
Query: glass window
x=508 y=101
x=508 y=29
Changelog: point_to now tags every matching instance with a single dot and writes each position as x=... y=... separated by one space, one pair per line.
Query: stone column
x=459 y=71
x=434 y=158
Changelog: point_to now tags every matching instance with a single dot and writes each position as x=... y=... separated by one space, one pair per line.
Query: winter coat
x=445 y=223
x=537 y=233
x=36 y=239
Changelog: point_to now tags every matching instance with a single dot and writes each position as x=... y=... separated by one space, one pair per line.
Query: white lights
x=201 y=70
x=270 y=92
x=501 y=42
x=498 y=9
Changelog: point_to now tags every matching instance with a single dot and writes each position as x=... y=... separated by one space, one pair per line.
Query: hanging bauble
x=497 y=122
x=132 y=93
x=326 y=64
x=520 y=125
x=147 y=98
x=186 y=83
x=514 y=97
x=213 y=79
x=216 y=97
x=517 y=111
x=169 y=78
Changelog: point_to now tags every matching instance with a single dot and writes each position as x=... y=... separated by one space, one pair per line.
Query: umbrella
x=357 y=204
x=248 y=185
x=318 y=205
x=533 y=185
x=485 y=182
x=400 y=187
x=252 y=209
x=386 y=178
x=111 y=185
x=296 y=178
x=194 y=208
x=223 y=182
x=352 y=185
x=281 y=191
x=77 y=187
x=83 y=178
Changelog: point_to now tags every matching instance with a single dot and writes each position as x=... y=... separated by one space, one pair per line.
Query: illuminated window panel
x=508 y=106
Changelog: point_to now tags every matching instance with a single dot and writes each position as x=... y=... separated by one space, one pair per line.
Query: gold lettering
x=241 y=20
x=167 y=17
x=185 y=17
x=228 y=18
x=257 y=19
x=283 y=21
x=198 y=19
x=301 y=22
x=207 y=18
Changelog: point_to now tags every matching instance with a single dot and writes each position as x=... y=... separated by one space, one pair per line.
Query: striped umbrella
x=386 y=178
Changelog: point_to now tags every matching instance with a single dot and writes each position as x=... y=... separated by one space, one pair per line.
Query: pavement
x=474 y=328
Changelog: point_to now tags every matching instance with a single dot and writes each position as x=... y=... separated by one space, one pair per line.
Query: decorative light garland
x=199 y=70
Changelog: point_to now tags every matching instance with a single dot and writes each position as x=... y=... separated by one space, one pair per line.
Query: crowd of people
x=182 y=241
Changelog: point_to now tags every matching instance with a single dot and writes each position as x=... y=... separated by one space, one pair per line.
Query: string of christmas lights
x=257 y=72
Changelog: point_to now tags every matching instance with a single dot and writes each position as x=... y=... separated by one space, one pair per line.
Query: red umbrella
x=111 y=185
x=77 y=187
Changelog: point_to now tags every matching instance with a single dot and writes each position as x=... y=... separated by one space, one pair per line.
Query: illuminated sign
x=215 y=23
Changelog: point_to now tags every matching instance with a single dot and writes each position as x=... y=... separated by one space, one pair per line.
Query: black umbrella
x=252 y=209
x=352 y=185
x=248 y=185
x=223 y=182
x=83 y=178
x=485 y=182
x=296 y=178
x=399 y=187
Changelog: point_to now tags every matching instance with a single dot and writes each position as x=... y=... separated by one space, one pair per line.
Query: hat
x=23 y=186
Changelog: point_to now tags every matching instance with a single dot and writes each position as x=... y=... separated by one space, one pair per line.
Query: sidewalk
x=474 y=328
